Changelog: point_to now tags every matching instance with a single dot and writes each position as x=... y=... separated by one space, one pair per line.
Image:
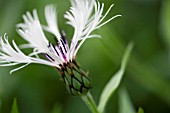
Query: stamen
x=49 y=57
x=63 y=36
x=63 y=45
x=55 y=49
x=62 y=53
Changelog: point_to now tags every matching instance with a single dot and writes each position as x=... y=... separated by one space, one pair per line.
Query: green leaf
x=56 y=109
x=140 y=110
x=15 y=107
x=113 y=84
x=125 y=104
x=165 y=23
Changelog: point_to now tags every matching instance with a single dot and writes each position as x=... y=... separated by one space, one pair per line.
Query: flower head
x=84 y=16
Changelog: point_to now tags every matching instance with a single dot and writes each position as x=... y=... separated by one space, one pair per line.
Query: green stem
x=89 y=101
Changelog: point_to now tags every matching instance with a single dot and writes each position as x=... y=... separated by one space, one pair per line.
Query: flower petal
x=10 y=56
x=35 y=36
x=51 y=18
x=84 y=22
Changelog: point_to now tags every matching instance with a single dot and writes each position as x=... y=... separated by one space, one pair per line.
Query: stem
x=89 y=101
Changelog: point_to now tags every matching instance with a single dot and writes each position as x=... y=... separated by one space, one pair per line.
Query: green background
x=147 y=79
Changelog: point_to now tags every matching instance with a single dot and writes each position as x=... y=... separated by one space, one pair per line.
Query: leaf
x=165 y=23
x=140 y=110
x=113 y=84
x=56 y=109
x=15 y=107
x=125 y=104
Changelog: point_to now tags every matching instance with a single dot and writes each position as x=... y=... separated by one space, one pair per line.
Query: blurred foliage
x=125 y=104
x=140 y=110
x=147 y=79
x=57 y=109
x=114 y=82
x=0 y=91
x=165 y=23
x=14 y=106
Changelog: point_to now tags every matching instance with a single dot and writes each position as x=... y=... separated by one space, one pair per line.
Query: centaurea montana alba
x=84 y=16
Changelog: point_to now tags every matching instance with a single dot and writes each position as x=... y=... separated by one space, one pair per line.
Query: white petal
x=25 y=46
x=108 y=21
x=11 y=64
x=45 y=62
x=92 y=23
x=78 y=16
x=13 y=56
x=92 y=36
x=51 y=18
x=16 y=69
x=10 y=54
x=35 y=36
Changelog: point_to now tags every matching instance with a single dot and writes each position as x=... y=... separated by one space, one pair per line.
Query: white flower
x=84 y=16
x=12 y=56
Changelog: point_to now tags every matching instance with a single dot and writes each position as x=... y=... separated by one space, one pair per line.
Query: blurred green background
x=147 y=79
